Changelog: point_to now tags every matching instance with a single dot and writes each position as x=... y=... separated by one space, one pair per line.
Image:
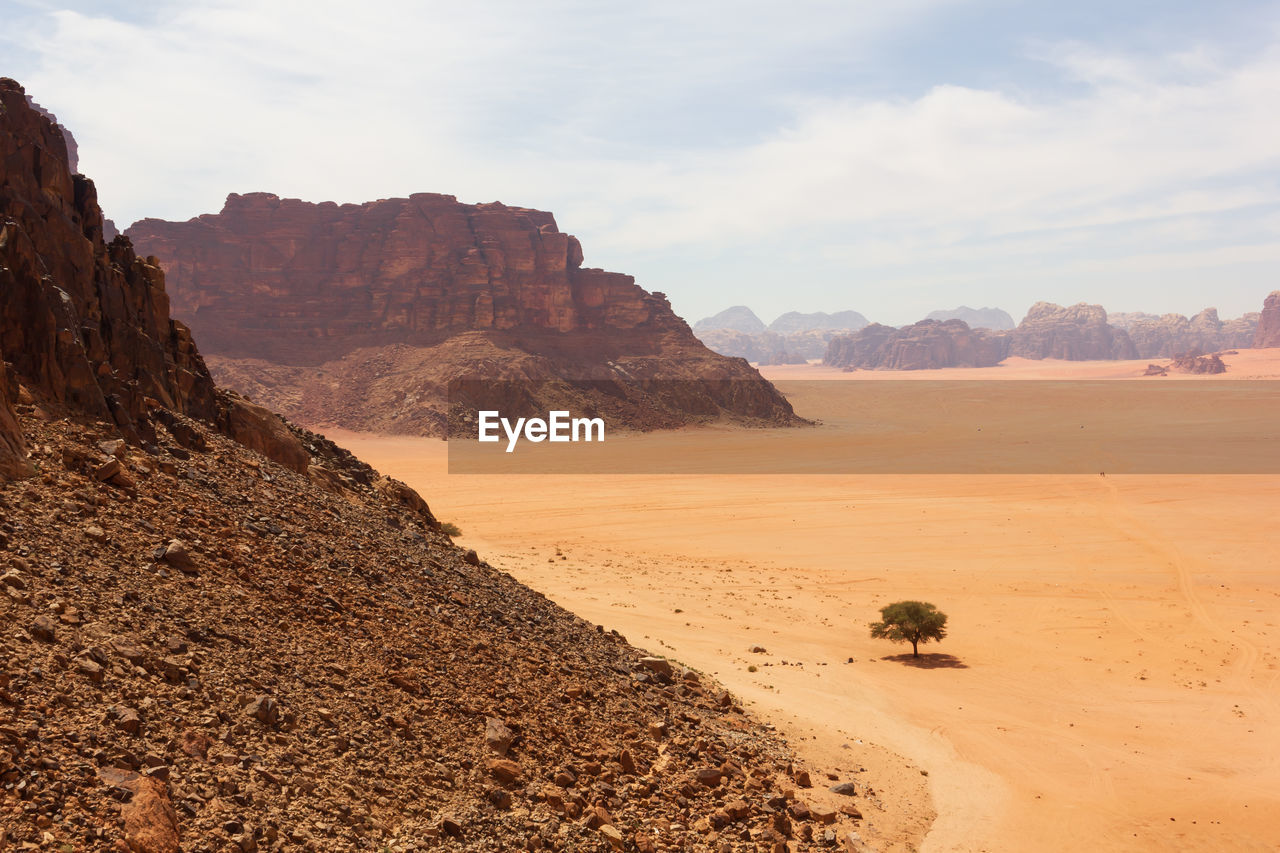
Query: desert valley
x=262 y=589
x=1111 y=680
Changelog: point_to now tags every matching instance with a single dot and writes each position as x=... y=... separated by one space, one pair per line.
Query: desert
x=639 y=428
x=1110 y=678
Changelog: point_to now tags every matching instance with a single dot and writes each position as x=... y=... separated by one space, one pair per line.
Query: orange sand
x=1110 y=681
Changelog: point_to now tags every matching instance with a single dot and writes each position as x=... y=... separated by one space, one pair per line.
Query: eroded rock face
x=83 y=323
x=1171 y=335
x=310 y=307
x=13 y=452
x=1268 y=332
x=924 y=345
x=1076 y=333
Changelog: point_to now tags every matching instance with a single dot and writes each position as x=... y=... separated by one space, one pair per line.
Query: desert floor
x=1111 y=677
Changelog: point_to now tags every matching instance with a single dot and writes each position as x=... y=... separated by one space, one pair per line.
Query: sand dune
x=1112 y=676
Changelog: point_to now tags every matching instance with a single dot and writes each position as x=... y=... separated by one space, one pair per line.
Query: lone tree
x=913 y=622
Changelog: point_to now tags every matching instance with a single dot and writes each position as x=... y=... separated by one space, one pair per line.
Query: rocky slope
x=995 y=319
x=208 y=650
x=920 y=346
x=1171 y=335
x=1076 y=333
x=314 y=300
x=1268 y=332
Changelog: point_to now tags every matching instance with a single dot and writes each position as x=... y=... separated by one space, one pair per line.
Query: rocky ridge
x=925 y=345
x=1074 y=333
x=792 y=338
x=1172 y=335
x=361 y=315
x=1268 y=331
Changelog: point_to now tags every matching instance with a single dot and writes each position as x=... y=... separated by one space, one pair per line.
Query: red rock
x=505 y=771
x=922 y=346
x=497 y=736
x=360 y=315
x=150 y=823
x=1268 y=332
x=1172 y=335
x=1076 y=333
x=84 y=323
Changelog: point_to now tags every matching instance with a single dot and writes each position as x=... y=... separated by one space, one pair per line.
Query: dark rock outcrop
x=739 y=318
x=924 y=345
x=85 y=325
x=1194 y=362
x=1076 y=333
x=995 y=319
x=361 y=315
x=73 y=150
x=1268 y=331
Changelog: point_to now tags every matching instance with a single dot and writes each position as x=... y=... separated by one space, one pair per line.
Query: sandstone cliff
x=360 y=315
x=920 y=346
x=1076 y=333
x=1268 y=332
x=1171 y=335
x=84 y=324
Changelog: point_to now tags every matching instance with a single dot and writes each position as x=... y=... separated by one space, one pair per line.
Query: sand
x=1111 y=677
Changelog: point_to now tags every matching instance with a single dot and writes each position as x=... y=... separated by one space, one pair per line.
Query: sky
x=815 y=155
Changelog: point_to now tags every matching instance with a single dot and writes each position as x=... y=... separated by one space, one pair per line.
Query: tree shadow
x=928 y=660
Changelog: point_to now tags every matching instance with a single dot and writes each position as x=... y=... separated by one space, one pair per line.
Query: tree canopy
x=913 y=622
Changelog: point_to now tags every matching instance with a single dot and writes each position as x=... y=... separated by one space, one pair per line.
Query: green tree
x=913 y=622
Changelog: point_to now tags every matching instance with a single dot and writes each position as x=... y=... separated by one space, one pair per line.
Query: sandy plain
x=1111 y=677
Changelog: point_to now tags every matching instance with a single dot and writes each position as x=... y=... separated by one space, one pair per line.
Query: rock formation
x=206 y=649
x=84 y=324
x=361 y=315
x=1076 y=333
x=739 y=318
x=920 y=346
x=1268 y=332
x=73 y=150
x=995 y=319
x=1171 y=335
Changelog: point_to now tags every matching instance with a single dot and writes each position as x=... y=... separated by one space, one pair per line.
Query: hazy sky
x=889 y=157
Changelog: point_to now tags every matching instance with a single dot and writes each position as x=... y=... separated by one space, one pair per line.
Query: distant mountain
x=976 y=318
x=929 y=344
x=739 y=318
x=818 y=321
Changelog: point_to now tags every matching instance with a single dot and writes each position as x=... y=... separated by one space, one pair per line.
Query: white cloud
x=673 y=128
